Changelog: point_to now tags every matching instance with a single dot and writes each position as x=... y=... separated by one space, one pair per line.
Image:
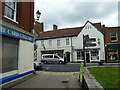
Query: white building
x=69 y=41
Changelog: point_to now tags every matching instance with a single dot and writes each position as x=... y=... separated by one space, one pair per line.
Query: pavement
x=51 y=80
x=45 y=79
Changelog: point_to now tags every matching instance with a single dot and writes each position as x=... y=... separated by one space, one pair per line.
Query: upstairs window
x=113 y=36
x=50 y=42
x=10 y=9
x=58 y=42
x=67 y=41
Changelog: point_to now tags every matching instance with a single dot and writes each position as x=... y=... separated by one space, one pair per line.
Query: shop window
x=113 y=36
x=112 y=54
x=10 y=9
x=80 y=55
x=9 y=53
x=94 y=55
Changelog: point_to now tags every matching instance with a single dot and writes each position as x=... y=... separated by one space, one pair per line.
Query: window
x=88 y=27
x=113 y=36
x=94 y=55
x=42 y=43
x=80 y=55
x=48 y=56
x=56 y=57
x=67 y=41
x=9 y=60
x=10 y=9
x=50 y=42
x=58 y=42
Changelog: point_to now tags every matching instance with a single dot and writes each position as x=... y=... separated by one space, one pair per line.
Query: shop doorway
x=68 y=56
x=87 y=56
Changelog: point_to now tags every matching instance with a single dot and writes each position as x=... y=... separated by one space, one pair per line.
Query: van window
x=56 y=57
x=48 y=56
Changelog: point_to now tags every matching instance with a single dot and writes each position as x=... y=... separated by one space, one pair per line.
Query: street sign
x=88 y=42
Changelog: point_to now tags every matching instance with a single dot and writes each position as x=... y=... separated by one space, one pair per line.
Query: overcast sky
x=74 y=13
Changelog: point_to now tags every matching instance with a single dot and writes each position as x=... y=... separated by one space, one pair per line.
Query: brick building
x=112 y=43
x=16 y=40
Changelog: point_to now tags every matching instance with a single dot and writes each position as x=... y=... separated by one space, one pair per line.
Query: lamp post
x=37 y=15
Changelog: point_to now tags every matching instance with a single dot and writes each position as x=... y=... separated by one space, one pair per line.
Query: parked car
x=52 y=58
x=37 y=65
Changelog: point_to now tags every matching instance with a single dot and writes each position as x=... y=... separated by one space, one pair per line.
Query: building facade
x=16 y=40
x=69 y=41
x=112 y=44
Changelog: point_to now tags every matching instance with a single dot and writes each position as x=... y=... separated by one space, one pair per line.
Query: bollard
x=81 y=74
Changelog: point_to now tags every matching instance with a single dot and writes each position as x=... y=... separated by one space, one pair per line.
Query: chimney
x=103 y=25
x=55 y=27
x=39 y=27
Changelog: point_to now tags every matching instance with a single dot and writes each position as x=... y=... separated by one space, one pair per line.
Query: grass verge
x=108 y=77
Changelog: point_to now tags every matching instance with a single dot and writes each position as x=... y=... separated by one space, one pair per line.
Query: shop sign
x=10 y=32
x=112 y=52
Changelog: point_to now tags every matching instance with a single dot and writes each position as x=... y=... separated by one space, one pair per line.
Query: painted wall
x=63 y=46
x=77 y=43
x=93 y=33
x=26 y=56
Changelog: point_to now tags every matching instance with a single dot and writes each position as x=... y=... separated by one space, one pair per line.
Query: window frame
x=50 y=42
x=58 y=42
x=116 y=36
x=67 y=41
x=14 y=10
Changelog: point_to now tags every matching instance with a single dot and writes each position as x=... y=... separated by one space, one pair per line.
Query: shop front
x=113 y=53
x=16 y=54
x=91 y=55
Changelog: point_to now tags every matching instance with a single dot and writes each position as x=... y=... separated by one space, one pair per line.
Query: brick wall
x=24 y=17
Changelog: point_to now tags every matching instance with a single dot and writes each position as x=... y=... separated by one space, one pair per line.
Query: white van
x=52 y=58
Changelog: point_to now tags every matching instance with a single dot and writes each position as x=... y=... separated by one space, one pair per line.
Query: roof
x=66 y=32
x=60 y=33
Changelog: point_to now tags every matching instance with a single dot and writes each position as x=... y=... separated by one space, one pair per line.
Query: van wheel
x=45 y=62
x=60 y=62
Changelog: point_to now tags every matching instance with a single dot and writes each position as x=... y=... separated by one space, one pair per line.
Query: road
x=61 y=67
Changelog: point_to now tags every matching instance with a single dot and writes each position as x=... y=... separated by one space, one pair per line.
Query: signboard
x=10 y=32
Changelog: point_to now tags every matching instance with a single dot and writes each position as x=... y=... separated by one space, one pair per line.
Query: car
x=52 y=58
x=37 y=65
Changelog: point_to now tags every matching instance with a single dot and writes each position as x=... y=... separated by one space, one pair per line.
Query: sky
x=75 y=13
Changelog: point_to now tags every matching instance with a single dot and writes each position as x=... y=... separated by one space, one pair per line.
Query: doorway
x=87 y=57
x=67 y=56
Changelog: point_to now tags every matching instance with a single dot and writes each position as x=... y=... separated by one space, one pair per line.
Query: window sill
x=115 y=41
x=11 y=19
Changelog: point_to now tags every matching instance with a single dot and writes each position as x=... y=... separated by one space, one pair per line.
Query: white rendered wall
x=25 y=56
x=63 y=46
x=93 y=33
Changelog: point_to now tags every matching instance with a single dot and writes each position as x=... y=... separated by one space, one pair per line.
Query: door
x=87 y=57
x=56 y=58
x=67 y=56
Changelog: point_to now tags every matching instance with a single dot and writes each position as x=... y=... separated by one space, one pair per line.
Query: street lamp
x=38 y=15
